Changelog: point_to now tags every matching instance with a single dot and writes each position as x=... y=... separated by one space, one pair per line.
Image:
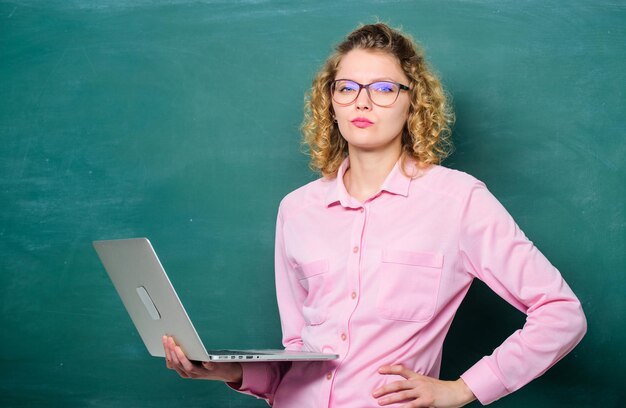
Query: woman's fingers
x=398 y=370
x=168 y=358
x=391 y=388
x=177 y=360
x=399 y=391
x=407 y=396
x=418 y=390
x=187 y=365
x=208 y=365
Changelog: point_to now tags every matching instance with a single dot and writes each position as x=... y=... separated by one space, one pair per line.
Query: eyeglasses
x=381 y=93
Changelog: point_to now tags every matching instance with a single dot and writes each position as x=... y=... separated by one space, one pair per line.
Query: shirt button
x=329 y=376
x=353 y=295
x=355 y=249
x=343 y=337
x=361 y=209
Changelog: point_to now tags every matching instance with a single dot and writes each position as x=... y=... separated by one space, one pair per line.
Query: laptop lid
x=156 y=310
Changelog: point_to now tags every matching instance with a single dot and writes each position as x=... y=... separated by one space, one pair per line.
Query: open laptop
x=156 y=310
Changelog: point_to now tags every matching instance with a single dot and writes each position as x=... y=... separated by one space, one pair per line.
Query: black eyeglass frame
x=401 y=87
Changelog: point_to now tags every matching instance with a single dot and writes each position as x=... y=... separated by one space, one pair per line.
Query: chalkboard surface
x=178 y=120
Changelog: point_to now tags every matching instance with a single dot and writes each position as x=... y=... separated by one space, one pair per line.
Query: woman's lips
x=362 y=122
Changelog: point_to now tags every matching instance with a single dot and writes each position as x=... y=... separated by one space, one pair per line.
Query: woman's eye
x=346 y=87
x=383 y=87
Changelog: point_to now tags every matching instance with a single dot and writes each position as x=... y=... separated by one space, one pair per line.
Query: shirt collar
x=396 y=183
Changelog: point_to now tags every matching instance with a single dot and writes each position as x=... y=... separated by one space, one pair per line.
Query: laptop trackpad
x=148 y=303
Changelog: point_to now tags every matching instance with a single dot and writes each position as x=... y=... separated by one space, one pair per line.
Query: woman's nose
x=363 y=101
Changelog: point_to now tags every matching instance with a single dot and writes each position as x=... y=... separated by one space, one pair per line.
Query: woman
x=374 y=258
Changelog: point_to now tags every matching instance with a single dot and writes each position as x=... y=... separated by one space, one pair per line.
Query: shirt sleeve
x=262 y=379
x=496 y=251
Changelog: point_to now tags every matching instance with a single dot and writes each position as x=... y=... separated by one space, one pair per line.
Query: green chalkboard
x=178 y=120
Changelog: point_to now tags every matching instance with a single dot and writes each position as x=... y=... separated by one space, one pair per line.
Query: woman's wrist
x=237 y=375
x=464 y=392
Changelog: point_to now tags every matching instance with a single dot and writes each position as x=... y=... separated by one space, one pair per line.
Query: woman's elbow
x=580 y=323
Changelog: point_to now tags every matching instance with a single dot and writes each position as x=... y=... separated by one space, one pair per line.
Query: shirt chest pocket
x=313 y=277
x=408 y=285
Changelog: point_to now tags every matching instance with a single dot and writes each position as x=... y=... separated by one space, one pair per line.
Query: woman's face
x=363 y=124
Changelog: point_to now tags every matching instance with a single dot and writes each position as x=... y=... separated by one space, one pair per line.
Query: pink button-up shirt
x=379 y=283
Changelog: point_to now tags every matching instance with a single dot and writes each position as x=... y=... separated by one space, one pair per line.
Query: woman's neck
x=367 y=173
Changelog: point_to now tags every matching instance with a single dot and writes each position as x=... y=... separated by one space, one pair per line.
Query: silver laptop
x=156 y=310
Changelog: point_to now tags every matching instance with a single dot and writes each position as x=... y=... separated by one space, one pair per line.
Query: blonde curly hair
x=426 y=134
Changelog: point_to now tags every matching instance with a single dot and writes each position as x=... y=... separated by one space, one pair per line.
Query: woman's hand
x=422 y=391
x=175 y=359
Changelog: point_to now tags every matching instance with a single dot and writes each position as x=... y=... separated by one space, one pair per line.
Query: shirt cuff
x=255 y=379
x=484 y=382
